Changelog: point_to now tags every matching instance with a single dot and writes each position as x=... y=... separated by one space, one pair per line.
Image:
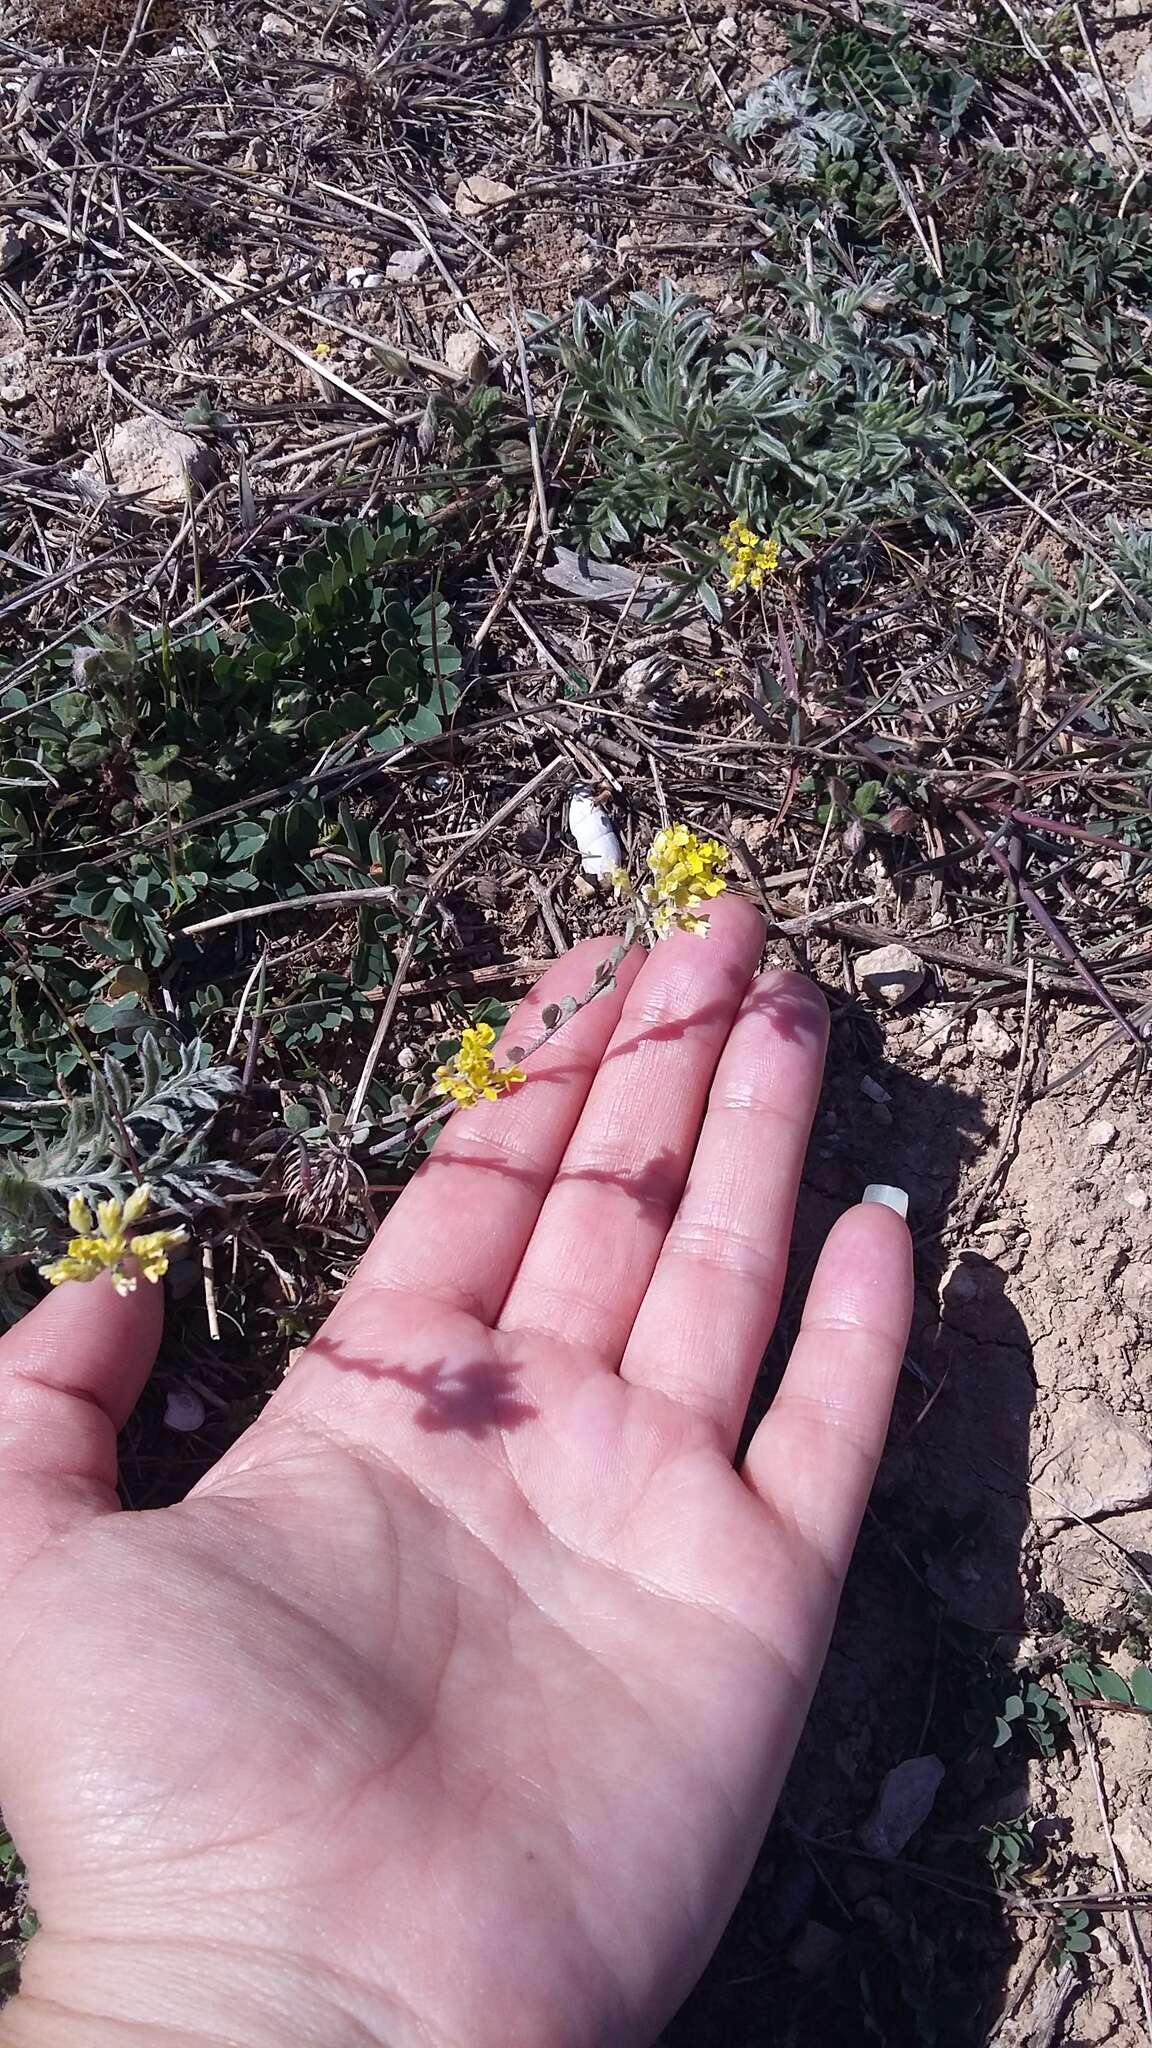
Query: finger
x=814 y=1456
x=704 y=1323
x=602 y=1226
x=70 y=1375
x=458 y=1231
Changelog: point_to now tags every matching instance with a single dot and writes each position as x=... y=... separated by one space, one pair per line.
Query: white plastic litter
x=600 y=850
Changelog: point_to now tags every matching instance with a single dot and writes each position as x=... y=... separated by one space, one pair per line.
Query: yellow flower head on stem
x=471 y=1075
x=686 y=874
x=102 y=1243
x=751 y=556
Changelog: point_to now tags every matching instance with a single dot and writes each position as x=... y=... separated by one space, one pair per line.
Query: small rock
x=184 y=1410
x=1100 y=1135
x=406 y=264
x=1104 y=145
x=729 y=28
x=815 y=1948
x=938 y=1025
x=873 y=1090
x=277 y=25
x=890 y=975
x=1100 y=1465
x=1139 y=91
x=464 y=353
x=954 y=1056
x=478 y=17
x=906 y=1799
x=152 y=463
x=570 y=81
x=1136 y=1288
x=1135 y=1196
x=1133 y=1832
x=990 y=1038
x=475 y=195
x=11 y=248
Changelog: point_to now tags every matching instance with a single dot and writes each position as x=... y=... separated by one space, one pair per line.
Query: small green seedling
x=1071 y=1939
x=1037 y=1711
x=1010 y=1848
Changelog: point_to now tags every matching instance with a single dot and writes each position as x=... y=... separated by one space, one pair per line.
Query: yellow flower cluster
x=686 y=872
x=471 y=1075
x=102 y=1243
x=751 y=557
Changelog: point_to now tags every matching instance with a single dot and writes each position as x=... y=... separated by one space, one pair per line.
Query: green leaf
x=1140 y=1686
x=274 y=627
x=1110 y=1685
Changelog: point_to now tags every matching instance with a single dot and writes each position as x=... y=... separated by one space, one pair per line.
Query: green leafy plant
x=835 y=415
x=887 y=74
x=1071 y=1939
x=1037 y=1712
x=1092 y=1682
x=1010 y=1848
x=356 y=640
x=152 y=1125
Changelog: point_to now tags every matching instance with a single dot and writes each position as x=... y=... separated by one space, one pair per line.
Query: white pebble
x=873 y=1090
x=184 y=1410
x=1101 y=1134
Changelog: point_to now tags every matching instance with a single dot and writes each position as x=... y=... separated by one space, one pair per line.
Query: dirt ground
x=1014 y=1499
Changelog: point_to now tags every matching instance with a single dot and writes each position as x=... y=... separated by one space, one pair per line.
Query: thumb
x=70 y=1375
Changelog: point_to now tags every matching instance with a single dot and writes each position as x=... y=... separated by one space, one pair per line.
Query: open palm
x=451 y=1706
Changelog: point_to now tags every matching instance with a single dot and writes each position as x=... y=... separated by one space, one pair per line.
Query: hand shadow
x=827 y=1946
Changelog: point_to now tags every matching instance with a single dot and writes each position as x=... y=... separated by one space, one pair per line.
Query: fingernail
x=889 y=1198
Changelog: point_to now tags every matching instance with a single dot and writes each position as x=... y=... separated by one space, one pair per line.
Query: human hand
x=451 y=1706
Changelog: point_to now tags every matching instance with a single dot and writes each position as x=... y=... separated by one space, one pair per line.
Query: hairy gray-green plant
x=831 y=410
x=151 y=1125
x=787 y=104
x=1106 y=609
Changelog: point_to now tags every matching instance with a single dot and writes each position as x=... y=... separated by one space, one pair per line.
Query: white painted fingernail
x=889 y=1198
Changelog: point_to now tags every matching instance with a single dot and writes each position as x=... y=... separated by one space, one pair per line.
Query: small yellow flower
x=321 y=349
x=751 y=556
x=102 y=1244
x=686 y=873
x=471 y=1075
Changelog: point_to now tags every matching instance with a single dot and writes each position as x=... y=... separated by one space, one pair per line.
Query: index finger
x=458 y=1232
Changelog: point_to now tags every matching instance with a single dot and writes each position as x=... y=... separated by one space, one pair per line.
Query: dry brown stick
x=962 y=963
x=529 y=410
x=1106 y=89
x=325 y=899
x=1139 y=1960
x=435 y=882
x=1048 y=925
